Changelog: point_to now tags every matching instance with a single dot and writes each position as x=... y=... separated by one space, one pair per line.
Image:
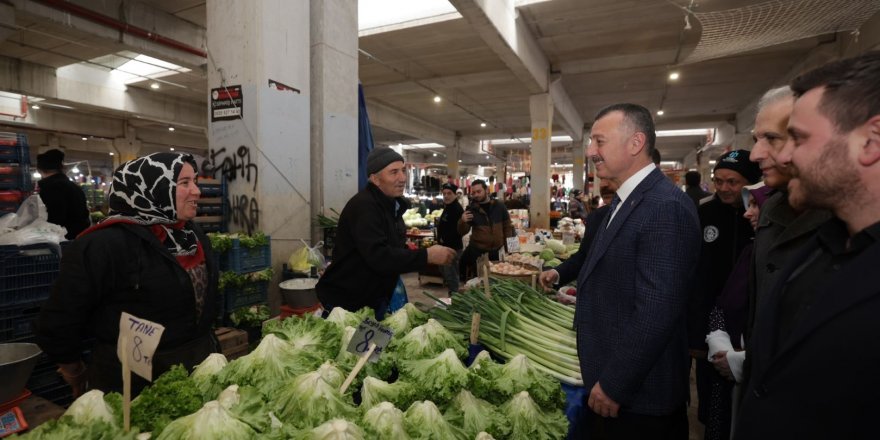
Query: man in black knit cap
x=65 y=201
x=370 y=252
x=725 y=233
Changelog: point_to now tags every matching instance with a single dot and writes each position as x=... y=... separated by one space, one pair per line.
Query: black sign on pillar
x=227 y=103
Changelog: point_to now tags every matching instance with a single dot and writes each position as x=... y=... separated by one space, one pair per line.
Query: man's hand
x=548 y=278
x=468 y=216
x=75 y=375
x=440 y=255
x=719 y=361
x=601 y=404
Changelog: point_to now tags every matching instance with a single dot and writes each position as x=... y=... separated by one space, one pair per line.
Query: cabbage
x=553 y=262
x=556 y=246
x=424 y=421
x=547 y=254
x=205 y=375
x=528 y=422
x=385 y=421
x=267 y=367
x=309 y=400
x=336 y=429
x=404 y=319
x=213 y=421
x=439 y=378
x=474 y=415
x=376 y=391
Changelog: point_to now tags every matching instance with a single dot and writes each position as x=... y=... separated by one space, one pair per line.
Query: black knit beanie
x=738 y=160
x=380 y=158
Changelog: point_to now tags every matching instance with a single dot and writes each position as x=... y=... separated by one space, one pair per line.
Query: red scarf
x=185 y=261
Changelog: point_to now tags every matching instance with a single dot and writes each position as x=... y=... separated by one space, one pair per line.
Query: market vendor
x=147 y=259
x=370 y=252
x=65 y=201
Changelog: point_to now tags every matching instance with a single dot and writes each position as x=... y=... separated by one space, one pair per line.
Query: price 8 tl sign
x=370 y=332
x=138 y=339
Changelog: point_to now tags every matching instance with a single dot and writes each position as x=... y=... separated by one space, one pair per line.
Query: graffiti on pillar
x=245 y=212
x=237 y=165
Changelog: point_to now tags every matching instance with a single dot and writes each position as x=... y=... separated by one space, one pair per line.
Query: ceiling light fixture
x=75 y=170
x=660 y=112
x=459 y=161
x=437 y=98
x=85 y=138
x=154 y=86
x=112 y=153
x=35 y=107
x=482 y=124
x=487 y=156
x=435 y=154
x=170 y=128
x=674 y=76
x=37 y=175
x=172 y=148
x=713 y=162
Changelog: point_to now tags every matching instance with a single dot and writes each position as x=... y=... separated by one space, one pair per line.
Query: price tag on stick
x=370 y=332
x=138 y=339
x=512 y=244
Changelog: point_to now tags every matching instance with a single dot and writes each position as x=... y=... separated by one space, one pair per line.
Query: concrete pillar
x=578 y=151
x=541 y=110
x=453 y=152
x=334 y=106
x=126 y=148
x=262 y=49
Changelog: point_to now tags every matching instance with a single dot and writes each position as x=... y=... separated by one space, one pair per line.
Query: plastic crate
x=14 y=153
x=17 y=322
x=240 y=259
x=13 y=139
x=44 y=375
x=210 y=210
x=58 y=393
x=15 y=176
x=211 y=189
x=27 y=273
x=247 y=295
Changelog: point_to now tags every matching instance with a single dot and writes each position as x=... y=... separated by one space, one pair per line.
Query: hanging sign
x=227 y=103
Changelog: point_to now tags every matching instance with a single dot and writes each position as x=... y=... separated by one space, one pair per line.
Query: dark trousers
x=467 y=266
x=629 y=426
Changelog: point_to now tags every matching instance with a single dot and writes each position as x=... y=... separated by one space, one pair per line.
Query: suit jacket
x=569 y=269
x=823 y=382
x=632 y=295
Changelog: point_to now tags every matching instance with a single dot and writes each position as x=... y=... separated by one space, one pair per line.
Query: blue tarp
x=365 y=138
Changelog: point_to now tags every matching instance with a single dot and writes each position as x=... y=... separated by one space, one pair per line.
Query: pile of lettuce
x=289 y=387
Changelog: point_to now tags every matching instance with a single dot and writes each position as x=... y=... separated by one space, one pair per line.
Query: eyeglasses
x=730 y=182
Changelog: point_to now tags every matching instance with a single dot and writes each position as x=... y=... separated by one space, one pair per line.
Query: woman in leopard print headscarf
x=147 y=259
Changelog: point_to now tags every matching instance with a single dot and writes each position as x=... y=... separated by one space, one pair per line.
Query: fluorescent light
x=565 y=138
x=35 y=107
x=85 y=138
x=674 y=76
x=482 y=124
x=112 y=153
x=170 y=128
x=380 y=13
x=144 y=67
x=660 y=112
x=685 y=132
x=437 y=98
x=713 y=162
x=172 y=148
x=154 y=86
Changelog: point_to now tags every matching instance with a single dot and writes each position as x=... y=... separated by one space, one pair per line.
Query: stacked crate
x=15 y=171
x=26 y=277
x=213 y=211
x=243 y=261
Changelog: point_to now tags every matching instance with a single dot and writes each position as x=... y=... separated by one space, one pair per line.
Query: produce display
x=412 y=218
x=289 y=388
x=527 y=259
x=518 y=320
x=221 y=242
x=510 y=269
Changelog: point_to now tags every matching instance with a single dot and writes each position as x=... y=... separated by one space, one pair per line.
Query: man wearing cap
x=447 y=234
x=370 y=252
x=725 y=233
x=576 y=208
x=65 y=201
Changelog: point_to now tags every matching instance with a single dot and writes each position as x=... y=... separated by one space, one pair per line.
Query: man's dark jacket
x=370 y=252
x=725 y=233
x=447 y=226
x=569 y=269
x=65 y=203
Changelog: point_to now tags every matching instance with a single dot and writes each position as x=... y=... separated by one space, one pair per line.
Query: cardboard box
x=231 y=338
x=236 y=352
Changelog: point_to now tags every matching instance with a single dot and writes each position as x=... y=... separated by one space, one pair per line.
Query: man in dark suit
x=633 y=288
x=815 y=348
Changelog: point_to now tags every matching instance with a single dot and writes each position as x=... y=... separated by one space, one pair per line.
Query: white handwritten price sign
x=370 y=332
x=138 y=339
x=512 y=244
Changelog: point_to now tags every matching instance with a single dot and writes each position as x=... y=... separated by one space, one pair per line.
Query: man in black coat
x=370 y=252
x=447 y=234
x=65 y=201
x=815 y=348
x=725 y=233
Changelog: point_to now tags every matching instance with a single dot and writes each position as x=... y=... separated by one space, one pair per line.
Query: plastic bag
x=29 y=225
x=399 y=297
x=303 y=259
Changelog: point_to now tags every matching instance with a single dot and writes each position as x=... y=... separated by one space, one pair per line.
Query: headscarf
x=144 y=192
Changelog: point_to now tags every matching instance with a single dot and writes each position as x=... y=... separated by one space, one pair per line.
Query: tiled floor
x=415 y=290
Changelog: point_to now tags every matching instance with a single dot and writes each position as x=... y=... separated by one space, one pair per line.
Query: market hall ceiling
x=727 y=53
